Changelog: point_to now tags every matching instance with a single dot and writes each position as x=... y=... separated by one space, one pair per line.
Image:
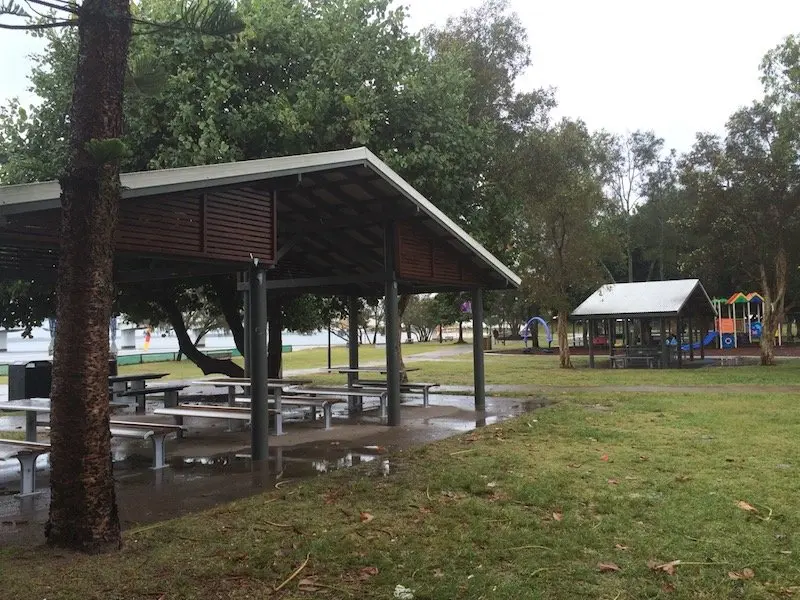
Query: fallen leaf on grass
x=668 y=568
x=745 y=574
x=491 y=484
x=643 y=458
x=613 y=482
x=746 y=506
x=621 y=547
x=438 y=573
x=667 y=587
x=366 y=517
x=574 y=465
x=608 y=568
x=785 y=551
x=557 y=516
x=604 y=458
x=367 y=572
x=308 y=585
x=682 y=478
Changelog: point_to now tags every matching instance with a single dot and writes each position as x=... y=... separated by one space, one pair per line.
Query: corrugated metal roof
x=655 y=298
x=39 y=196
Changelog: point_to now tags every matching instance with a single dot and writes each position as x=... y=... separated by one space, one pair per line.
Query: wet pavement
x=212 y=465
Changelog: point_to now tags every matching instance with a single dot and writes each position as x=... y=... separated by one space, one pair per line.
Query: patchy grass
x=527 y=509
x=12 y=434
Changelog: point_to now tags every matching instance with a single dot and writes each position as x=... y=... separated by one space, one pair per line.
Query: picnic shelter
x=334 y=223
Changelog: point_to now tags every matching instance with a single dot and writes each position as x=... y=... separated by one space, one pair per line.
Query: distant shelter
x=659 y=323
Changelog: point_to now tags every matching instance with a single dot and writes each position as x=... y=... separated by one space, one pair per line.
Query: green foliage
x=561 y=235
x=105 y=151
x=422 y=315
x=9 y=7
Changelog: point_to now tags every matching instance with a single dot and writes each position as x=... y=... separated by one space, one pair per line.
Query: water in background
x=20 y=349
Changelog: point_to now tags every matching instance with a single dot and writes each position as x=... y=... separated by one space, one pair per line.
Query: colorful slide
x=709 y=339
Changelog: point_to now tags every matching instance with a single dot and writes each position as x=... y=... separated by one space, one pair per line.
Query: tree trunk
x=83 y=509
x=274 y=338
x=461 y=333
x=230 y=305
x=207 y=364
x=564 y=359
x=773 y=307
x=402 y=304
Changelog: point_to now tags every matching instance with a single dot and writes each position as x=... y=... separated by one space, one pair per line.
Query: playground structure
x=734 y=325
x=527 y=332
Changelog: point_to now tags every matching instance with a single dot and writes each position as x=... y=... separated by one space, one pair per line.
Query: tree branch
x=40 y=26
x=62 y=7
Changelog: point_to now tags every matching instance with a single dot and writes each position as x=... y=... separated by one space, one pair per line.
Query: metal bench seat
x=26 y=453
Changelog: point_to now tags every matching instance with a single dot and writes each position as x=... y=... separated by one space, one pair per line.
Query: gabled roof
x=343 y=184
x=679 y=297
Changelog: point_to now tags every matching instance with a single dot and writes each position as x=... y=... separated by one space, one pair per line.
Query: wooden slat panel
x=240 y=226
x=424 y=259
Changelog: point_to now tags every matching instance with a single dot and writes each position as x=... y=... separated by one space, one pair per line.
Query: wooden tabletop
x=381 y=370
x=245 y=382
x=136 y=377
x=339 y=391
x=39 y=405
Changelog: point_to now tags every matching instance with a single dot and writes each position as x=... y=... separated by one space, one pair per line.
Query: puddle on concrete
x=197 y=481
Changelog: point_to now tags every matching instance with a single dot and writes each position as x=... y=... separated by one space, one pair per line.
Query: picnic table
x=275 y=386
x=624 y=360
x=169 y=391
x=379 y=370
x=123 y=383
x=357 y=392
x=32 y=407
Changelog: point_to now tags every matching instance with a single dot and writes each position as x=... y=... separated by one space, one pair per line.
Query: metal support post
x=477 y=350
x=590 y=341
x=664 y=346
x=392 y=328
x=259 y=415
x=353 y=402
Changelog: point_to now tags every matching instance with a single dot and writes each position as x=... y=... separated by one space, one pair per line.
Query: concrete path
x=617 y=389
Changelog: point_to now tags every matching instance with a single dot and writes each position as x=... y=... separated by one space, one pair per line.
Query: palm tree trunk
x=83 y=510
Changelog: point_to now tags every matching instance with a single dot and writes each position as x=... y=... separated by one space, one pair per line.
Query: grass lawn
x=302 y=359
x=594 y=497
x=14 y=434
x=544 y=371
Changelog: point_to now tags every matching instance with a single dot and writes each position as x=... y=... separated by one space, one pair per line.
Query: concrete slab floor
x=210 y=465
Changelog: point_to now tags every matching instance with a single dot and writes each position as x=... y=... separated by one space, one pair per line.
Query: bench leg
x=278 y=413
x=384 y=405
x=159 y=450
x=171 y=399
x=30 y=426
x=27 y=465
x=328 y=410
x=313 y=413
x=179 y=421
x=140 y=404
x=425 y=398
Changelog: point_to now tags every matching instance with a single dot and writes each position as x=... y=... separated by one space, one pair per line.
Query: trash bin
x=487 y=342
x=30 y=380
x=112 y=367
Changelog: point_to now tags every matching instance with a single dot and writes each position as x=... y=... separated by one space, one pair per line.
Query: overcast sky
x=677 y=67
